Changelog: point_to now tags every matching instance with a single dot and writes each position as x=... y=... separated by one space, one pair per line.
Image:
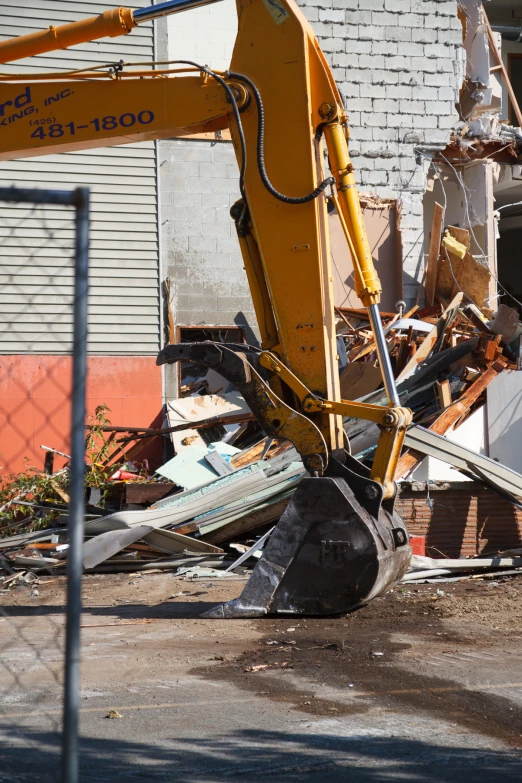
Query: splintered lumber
x=230 y=418
x=450 y=416
x=443 y=391
x=426 y=347
x=458 y=270
x=433 y=253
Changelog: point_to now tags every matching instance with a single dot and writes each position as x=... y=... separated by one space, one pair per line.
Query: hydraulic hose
x=261 y=150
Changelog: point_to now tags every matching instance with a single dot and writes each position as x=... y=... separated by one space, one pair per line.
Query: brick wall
x=460 y=519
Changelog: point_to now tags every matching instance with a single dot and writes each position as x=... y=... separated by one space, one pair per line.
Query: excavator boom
x=339 y=542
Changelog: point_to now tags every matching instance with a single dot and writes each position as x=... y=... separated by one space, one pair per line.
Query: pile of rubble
x=227 y=483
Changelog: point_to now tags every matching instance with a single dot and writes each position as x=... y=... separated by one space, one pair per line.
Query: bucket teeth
x=326 y=556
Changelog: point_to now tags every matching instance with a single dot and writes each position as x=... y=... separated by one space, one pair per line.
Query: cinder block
x=395 y=33
x=448 y=8
x=448 y=121
x=435 y=50
x=376 y=119
x=331 y=15
x=397 y=6
x=412 y=107
x=234 y=303
x=424 y=6
x=437 y=22
x=385 y=18
x=202 y=243
x=423 y=64
x=385 y=105
x=226 y=186
x=371 y=5
x=185 y=199
x=385 y=47
x=411 y=20
x=198 y=151
x=445 y=93
x=398 y=63
x=385 y=77
x=311 y=12
x=358 y=17
x=424 y=35
x=373 y=61
x=360 y=47
x=346 y=60
x=199 y=185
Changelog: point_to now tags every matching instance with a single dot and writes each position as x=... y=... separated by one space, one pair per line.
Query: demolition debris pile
x=209 y=508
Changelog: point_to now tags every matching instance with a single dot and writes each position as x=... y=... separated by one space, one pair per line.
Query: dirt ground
x=450 y=653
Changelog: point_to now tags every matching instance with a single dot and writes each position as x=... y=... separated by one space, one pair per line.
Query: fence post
x=70 y=757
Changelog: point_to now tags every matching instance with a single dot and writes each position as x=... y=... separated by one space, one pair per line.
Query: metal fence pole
x=70 y=757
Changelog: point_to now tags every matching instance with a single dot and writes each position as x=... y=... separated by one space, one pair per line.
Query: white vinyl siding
x=36 y=246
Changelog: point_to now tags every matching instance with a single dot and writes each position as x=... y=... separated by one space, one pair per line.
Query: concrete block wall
x=399 y=64
x=198 y=185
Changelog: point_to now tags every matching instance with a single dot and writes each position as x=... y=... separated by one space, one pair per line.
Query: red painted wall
x=35 y=409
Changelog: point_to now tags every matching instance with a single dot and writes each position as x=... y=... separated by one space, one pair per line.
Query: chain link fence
x=44 y=242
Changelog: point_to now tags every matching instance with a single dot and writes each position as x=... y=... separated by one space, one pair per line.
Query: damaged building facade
x=432 y=90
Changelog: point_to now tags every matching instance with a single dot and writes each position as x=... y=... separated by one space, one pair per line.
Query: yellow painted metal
x=281 y=57
x=367 y=283
x=271 y=362
x=39 y=118
x=117 y=21
x=258 y=288
x=386 y=457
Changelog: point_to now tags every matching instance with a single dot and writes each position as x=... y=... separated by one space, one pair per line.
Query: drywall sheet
x=504 y=405
x=381 y=226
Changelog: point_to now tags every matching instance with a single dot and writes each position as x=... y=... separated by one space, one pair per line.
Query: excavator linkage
x=338 y=543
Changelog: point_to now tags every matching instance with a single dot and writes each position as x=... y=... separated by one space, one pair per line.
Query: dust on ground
x=451 y=650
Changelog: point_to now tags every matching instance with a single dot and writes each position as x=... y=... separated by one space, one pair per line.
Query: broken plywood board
x=433 y=253
x=459 y=270
x=192 y=409
x=359 y=379
x=381 y=219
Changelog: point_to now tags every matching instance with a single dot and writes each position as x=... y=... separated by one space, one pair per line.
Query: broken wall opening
x=465 y=194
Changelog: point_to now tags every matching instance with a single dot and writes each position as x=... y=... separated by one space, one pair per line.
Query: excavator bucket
x=338 y=543
x=329 y=553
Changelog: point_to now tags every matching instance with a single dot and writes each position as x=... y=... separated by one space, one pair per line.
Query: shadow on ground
x=252 y=755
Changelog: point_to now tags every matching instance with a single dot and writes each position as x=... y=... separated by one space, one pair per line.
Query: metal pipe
x=170 y=7
x=383 y=355
x=71 y=706
x=508 y=31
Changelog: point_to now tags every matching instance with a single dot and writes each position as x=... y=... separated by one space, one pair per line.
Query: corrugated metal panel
x=36 y=272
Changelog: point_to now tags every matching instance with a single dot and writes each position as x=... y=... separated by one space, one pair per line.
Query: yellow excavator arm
x=280 y=101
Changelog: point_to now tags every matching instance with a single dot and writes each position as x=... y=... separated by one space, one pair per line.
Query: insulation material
x=191 y=469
